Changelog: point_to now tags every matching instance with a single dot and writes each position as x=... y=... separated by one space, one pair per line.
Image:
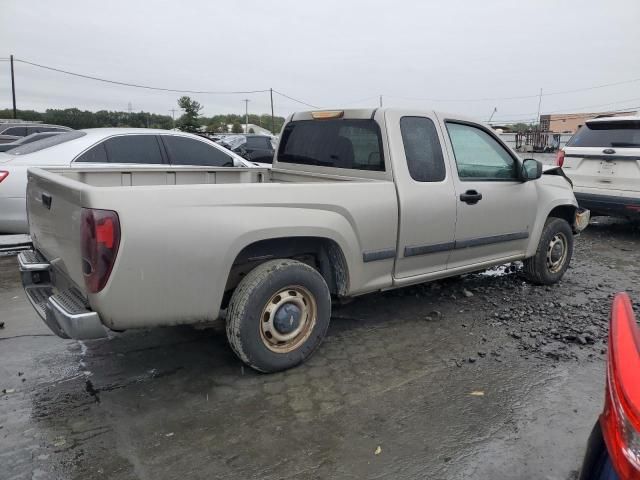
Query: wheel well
x=566 y=212
x=323 y=254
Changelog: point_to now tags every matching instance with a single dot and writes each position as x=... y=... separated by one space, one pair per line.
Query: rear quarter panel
x=179 y=242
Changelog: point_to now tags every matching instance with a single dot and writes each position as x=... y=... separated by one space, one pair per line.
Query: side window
x=96 y=154
x=17 y=131
x=422 y=149
x=133 y=149
x=31 y=130
x=189 y=151
x=478 y=155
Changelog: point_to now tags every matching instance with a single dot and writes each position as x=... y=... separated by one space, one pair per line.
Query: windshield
x=607 y=134
x=354 y=144
x=46 y=143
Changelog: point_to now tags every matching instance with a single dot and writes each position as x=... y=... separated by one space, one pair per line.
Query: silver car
x=99 y=146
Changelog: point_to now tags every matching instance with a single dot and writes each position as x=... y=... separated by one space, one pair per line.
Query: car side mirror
x=531 y=169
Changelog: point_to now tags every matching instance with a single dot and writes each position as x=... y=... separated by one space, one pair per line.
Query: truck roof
x=365 y=113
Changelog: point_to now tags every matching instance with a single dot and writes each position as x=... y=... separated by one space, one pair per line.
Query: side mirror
x=531 y=169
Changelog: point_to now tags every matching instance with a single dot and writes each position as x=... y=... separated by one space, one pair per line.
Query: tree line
x=76 y=118
x=190 y=121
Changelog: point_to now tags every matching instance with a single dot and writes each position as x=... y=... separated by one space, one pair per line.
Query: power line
x=518 y=97
x=595 y=106
x=147 y=87
x=534 y=119
x=531 y=116
x=294 y=99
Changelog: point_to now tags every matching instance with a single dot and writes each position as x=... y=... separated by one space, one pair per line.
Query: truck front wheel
x=553 y=255
x=278 y=315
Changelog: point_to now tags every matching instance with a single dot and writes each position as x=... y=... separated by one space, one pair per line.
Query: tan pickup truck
x=357 y=201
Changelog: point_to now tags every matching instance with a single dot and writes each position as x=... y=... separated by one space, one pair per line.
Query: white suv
x=603 y=161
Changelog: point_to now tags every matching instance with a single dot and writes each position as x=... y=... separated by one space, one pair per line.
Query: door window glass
x=189 y=151
x=478 y=155
x=96 y=154
x=422 y=149
x=133 y=149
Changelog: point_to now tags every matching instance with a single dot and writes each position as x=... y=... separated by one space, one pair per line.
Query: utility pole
x=246 y=115
x=380 y=100
x=13 y=88
x=173 y=117
x=539 y=103
x=273 y=118
x=495 y=109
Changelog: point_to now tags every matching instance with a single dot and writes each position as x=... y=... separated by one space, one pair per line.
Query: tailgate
x=54 y=207
x=592 y=168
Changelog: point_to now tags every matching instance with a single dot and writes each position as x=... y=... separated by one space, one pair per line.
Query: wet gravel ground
x=483 y=376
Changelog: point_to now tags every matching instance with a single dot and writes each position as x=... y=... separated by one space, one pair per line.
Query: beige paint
x=183 y=228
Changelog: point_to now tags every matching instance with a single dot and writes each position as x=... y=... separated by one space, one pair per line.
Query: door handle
x=470 y=197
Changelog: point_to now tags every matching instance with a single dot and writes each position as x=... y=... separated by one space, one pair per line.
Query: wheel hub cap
x=287 y=318
x=557 y=253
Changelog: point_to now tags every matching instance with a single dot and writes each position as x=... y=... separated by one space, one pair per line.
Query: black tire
x=539 y=269
x=257 y=293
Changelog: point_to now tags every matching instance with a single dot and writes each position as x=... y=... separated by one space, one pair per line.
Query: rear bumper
x=613 y=205
x=58 y=302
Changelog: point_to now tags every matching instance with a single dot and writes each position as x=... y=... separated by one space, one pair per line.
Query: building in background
x=571 y=122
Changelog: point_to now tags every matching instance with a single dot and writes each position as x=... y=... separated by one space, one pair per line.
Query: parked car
x=613 y=450
x=603 y=161
x=255 y=148
x=357 y=201
x=100 y=147
x=10 y=132
x=28 y=139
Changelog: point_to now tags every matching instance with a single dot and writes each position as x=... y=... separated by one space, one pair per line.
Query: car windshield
x=614 y=134
x=46 y=143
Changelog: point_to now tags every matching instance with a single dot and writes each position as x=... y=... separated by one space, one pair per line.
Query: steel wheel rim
x=299 y=301
x=557 y=252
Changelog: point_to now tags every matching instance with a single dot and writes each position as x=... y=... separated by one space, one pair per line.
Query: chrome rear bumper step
x=65 y=312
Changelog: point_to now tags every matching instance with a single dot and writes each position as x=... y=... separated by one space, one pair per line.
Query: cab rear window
x=339 y=143
x=617 y=134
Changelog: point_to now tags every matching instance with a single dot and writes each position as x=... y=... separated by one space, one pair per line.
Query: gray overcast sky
x=325 y=52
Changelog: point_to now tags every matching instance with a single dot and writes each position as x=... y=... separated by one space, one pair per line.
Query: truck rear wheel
x=553 y=255
x=278 y=315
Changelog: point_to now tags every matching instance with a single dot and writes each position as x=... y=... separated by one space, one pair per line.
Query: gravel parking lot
x=485 y=376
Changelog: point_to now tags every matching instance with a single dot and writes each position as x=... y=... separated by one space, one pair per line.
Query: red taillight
x=620 y=420
x=100 y=232
x=3 y=174
x=560 y=158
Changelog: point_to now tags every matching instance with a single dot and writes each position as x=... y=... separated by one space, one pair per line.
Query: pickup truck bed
x=182 y=231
